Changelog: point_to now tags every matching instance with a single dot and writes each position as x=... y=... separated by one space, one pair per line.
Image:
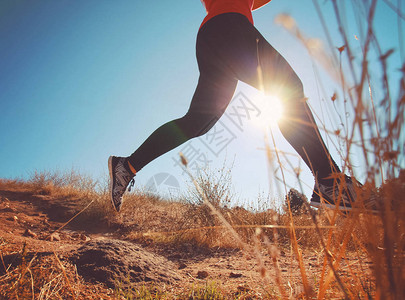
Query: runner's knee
x=292 y=90
x=197 y=124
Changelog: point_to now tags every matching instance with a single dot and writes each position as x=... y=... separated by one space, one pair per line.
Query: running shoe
x=338 y=193
x=120 y=178
x=345 y=195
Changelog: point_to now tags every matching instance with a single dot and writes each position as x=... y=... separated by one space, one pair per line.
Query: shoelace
x=335 y=193
x=131 y=184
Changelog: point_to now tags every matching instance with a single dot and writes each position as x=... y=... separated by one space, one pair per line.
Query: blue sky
x=82 y=80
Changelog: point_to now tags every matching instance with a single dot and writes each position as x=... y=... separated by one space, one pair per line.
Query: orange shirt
x=217 y=7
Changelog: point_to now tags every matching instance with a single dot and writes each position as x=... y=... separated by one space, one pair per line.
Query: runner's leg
x=213 y=93
x=244 y=50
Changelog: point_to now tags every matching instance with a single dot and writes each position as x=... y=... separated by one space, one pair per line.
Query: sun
x=271 y=110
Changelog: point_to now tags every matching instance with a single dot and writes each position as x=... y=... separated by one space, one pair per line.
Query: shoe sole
x=110 y=170
x=343 y=209
x=329 y=206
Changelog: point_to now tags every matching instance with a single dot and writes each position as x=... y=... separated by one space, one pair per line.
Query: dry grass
x=375 y=238
x=46 y=277
x=375 y=135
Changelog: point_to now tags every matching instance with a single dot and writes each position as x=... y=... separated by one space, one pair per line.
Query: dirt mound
x=116 y=262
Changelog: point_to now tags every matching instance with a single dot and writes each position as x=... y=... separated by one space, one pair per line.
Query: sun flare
x=271 y=110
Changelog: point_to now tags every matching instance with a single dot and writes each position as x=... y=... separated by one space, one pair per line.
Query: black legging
x=229 y=48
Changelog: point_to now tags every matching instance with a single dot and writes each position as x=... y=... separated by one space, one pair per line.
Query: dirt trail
x=27 y=218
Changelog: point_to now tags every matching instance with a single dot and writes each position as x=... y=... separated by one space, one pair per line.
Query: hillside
x=156 y=249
